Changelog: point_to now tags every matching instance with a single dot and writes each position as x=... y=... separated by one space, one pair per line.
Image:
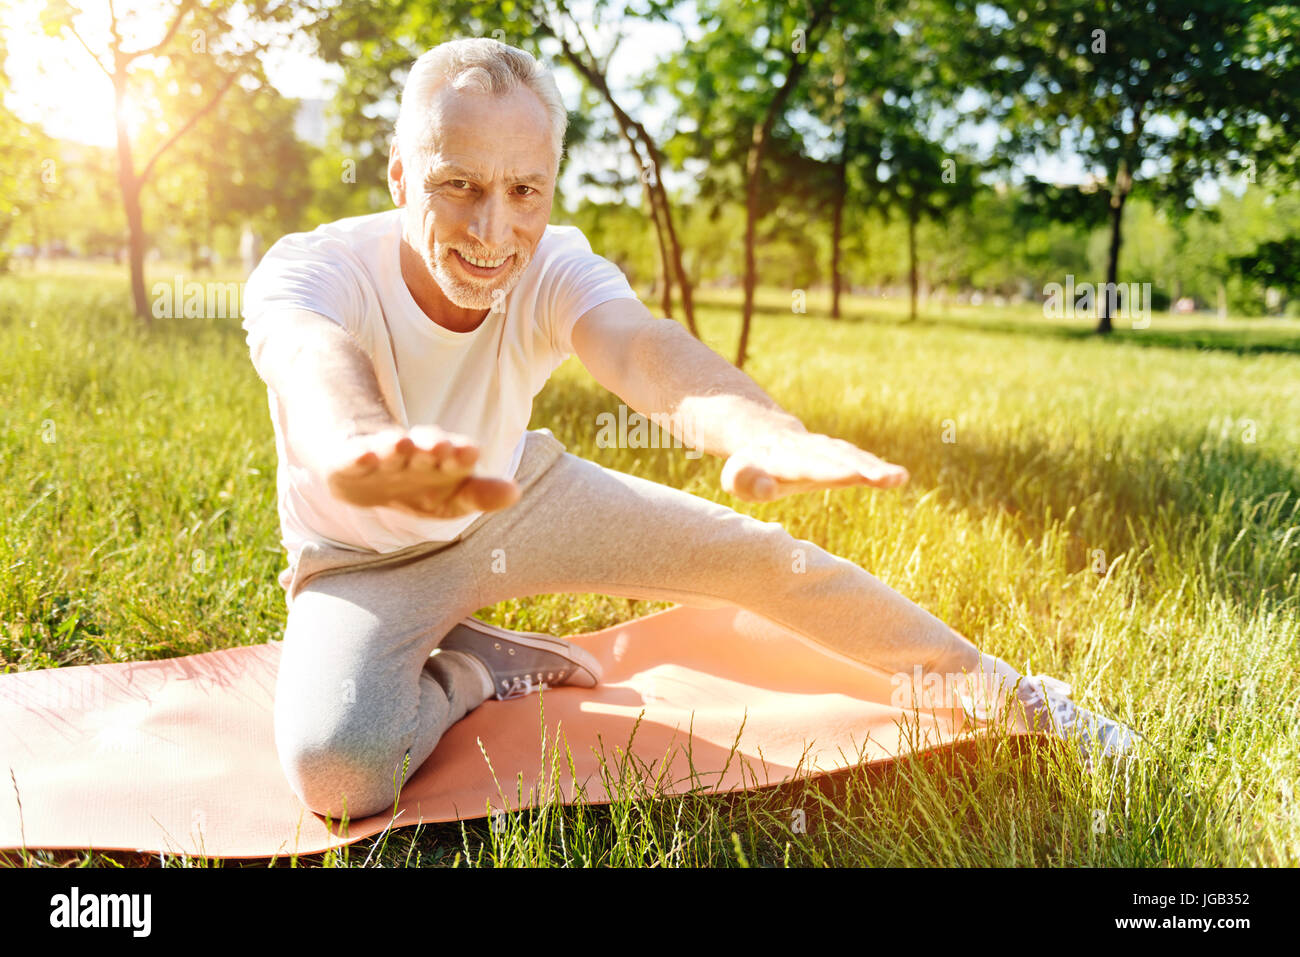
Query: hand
x=422 y=471
x=794 y=462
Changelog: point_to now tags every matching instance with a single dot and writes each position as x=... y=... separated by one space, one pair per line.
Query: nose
x=489 y=225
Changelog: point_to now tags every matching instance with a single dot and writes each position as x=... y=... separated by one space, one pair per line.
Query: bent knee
x=345 y=775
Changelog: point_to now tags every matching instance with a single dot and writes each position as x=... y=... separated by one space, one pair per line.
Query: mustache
x=482 y=255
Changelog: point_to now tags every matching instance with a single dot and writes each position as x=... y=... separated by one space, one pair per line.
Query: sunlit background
x=298 y=139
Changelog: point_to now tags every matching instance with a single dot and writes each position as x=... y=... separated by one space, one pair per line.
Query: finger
x=458 y=458
x=886 y=475
x=437 y=453
x=845 y=460
x=488 y=494
x=867 y=466
x=748 y=482
x=466 y=454
x=425 y=458
x=398 y=455
x=460 y=454
x=424 y=461
x=442 y=456
x=363 y=464
x=812 y=459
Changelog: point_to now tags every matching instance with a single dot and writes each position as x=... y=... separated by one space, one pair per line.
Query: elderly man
x=401 y=353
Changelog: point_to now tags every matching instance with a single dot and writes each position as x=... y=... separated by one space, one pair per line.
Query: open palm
x=769 y=469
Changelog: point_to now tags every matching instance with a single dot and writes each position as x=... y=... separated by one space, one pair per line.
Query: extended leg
x=584 y=528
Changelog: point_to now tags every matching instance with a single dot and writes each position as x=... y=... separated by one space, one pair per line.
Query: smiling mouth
x=481 y=267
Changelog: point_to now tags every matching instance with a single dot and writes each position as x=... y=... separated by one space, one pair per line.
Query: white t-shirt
x=479 y=383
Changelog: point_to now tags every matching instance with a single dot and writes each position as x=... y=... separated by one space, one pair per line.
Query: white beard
x=474 y=293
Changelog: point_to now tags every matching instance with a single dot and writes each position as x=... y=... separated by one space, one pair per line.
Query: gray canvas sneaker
x=1072 y=723
x=522 y=662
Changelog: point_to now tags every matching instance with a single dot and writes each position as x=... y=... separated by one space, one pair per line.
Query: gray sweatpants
x=357 y=690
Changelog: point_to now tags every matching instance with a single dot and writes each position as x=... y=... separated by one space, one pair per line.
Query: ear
x=396 y=176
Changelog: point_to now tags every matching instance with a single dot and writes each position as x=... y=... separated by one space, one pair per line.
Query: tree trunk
x=837 y=232
x=1119 y=193
x=665 y=264
x=674 y=247
x=665 y=267
x=754 y=170
x=136 y=249
x=751 y=223
x=912 y=216
x=130 y=188
x=591 y=71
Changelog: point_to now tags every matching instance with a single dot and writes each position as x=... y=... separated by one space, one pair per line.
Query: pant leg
x=586 y=528
x=357 y=694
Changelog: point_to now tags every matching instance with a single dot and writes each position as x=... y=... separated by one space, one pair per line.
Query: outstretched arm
x=660 y=370
x=340 y=427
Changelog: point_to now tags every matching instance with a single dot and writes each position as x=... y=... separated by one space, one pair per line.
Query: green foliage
x=241 y=163
x=871 y=130
x=1275 y=263
x=1152 y=97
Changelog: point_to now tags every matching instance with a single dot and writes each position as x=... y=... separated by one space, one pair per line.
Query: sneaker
x=522 y=662
x=1073 y=723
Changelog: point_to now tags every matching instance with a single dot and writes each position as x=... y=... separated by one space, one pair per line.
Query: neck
x=428 y=295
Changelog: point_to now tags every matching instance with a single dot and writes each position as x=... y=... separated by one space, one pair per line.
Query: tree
x=1275 y=263
x=923 y=182
x=741 y=75
x=645 y=153
x=794 y=66
x=845 y=93
x=200 y=50
x=241 y=164
x=1155 y=93
x=891 y=86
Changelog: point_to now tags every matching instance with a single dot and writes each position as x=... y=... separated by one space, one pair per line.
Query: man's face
x=481 y=193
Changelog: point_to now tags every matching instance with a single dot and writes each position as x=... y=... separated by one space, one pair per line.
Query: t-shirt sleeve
x=577 y=280
x=304 y=271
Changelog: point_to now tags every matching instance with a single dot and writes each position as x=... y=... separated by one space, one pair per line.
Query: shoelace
x=518 y=688
x=1034 y=691
x=523 y=685
x=1055 y=693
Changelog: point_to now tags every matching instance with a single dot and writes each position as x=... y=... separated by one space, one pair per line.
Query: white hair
x=478 y=64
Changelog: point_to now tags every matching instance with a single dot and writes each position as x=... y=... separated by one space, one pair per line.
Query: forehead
x=473 y=132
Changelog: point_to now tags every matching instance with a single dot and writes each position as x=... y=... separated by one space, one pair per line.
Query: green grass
x=1122 y=513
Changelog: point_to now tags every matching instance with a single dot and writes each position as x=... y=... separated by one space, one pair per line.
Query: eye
x=458 y=183
x=529 y=188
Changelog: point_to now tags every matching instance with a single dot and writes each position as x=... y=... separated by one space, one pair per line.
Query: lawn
x=1123 y=514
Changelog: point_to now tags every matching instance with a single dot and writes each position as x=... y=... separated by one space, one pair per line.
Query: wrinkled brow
x=454 y=171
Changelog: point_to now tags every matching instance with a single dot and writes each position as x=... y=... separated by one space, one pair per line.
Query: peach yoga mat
x=178 y=755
